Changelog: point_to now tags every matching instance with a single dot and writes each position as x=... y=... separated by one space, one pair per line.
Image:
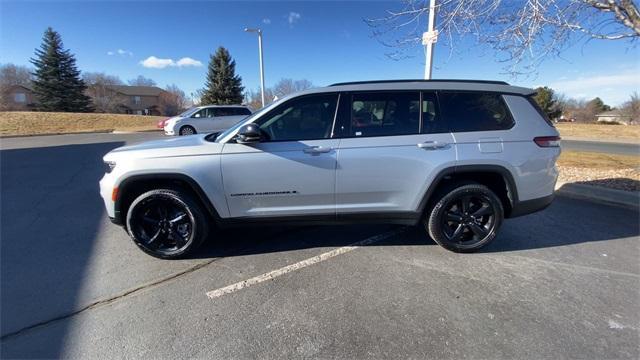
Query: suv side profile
x=457 y=157
x=205 y=119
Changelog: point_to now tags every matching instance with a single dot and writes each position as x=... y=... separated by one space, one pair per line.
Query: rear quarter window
x=475 y=111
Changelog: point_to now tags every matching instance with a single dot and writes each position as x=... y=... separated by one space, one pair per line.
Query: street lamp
x=428 y=39
x=259 y=31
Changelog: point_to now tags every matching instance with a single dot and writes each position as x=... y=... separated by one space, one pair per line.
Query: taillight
x=547 y=141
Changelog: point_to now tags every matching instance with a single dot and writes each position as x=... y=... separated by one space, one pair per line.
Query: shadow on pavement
x=50 y=213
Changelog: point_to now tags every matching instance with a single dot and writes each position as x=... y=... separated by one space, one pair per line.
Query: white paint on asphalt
x=301 y=264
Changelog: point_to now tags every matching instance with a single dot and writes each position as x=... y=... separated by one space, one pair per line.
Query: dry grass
x=592 y=160
x=36 y=123
x=600 y=132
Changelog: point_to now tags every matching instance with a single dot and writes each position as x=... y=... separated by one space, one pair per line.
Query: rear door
x=292 y=170
x=393 y=145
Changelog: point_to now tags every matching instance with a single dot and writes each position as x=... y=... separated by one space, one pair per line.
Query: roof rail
x=421 y=80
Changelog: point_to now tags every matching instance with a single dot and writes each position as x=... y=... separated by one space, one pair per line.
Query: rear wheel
x=166 y=224
x=465 y=217
x=187 y=130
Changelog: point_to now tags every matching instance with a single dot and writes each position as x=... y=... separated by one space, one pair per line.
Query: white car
x=206 y=119
x=456 y=157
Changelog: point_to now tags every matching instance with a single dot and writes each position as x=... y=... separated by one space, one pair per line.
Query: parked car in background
x=456 y=157
x=206 y=119
x=162 y=123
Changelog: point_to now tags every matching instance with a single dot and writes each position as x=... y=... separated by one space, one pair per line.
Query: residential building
x=614 y=116
x=139 y=100
x=18 y=98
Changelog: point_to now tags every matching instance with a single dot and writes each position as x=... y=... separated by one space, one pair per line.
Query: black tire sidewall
x=200 y=226
x=433 y=223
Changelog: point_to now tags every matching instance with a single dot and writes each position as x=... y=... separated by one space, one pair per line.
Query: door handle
x=316 y=150
x=432 y=145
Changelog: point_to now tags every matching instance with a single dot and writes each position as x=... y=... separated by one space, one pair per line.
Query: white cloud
x=120 y=52
x=158 y=63
x=266 y=21
x=293 y=17
x=613 y=88
x=187 y=61
x=124 y=52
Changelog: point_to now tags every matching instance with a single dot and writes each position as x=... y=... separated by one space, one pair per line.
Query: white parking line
x=302 y=264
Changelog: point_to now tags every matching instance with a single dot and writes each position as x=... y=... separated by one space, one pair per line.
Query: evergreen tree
x=57 y=84
x=546 y=99
x=223 y=86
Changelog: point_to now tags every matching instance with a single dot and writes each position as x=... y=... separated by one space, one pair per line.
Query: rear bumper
x=530 y=206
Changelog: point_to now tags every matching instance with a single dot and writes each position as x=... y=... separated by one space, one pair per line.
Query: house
x=139 y=100
x=614 y=116
x=18 y=97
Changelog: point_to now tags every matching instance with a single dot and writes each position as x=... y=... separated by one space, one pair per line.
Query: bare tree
x=172 y=100
x=632 y=107
x=141 y=81
x=253 y=99
x=104 y=98
x=522 y=32
x=289 y=86
x=12 y=75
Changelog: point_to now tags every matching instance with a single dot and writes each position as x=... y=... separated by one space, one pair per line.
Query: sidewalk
x=628 y=199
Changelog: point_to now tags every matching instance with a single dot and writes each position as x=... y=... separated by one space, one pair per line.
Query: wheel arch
x=498 y=178
x=135 y=185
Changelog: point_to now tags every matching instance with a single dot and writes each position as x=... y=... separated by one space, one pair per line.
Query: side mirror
x=248 y=133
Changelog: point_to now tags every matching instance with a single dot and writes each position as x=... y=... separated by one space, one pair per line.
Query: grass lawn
x=35 y=123
x=592 y=160
x=600 y=132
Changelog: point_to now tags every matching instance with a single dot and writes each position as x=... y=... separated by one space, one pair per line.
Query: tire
x=167 y=224
x=187 y=130
x=464 y=217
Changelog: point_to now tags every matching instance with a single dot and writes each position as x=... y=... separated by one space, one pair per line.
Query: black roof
x=421 y=80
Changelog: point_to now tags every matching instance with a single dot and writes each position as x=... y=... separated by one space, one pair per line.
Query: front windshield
x=245 y=120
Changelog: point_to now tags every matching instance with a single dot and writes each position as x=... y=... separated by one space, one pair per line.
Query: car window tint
x=475 y=111
x=200 y=114
x=385 y=114
x=210 y=112
x=307 y=118
x=242 y=111
x=432 y=122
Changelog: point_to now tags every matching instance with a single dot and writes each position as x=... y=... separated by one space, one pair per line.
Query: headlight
x=109 y=166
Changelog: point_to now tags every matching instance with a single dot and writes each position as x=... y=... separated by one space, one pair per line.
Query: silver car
x=455 y=157
x=206 y=119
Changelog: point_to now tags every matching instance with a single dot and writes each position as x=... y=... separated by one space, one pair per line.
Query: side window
x=200 y=114
x=221 y=111
x=306 y=118
x=432 y=121
x=385 y=114
x=238 y=111
x=475 y=111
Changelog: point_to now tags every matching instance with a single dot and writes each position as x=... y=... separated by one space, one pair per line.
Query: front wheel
x=167 y=224
x=187 y=130
x=465 y=218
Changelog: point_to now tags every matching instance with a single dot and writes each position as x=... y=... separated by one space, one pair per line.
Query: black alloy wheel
x=166 y=223
x=465 y=218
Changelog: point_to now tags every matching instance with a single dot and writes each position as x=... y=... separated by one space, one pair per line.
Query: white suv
x=205 y=119
x=455 y=156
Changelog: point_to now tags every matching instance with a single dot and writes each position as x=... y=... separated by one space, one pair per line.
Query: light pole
x=259 y=31
x=428 y=39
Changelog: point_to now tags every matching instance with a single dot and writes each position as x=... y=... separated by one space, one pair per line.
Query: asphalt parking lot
x=562 y=283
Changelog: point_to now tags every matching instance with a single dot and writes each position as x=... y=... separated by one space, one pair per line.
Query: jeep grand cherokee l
x=456 y=157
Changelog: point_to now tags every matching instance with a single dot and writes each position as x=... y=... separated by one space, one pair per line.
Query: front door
x=292 y=170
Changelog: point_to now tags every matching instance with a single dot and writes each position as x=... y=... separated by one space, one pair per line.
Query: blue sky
x=324 y=42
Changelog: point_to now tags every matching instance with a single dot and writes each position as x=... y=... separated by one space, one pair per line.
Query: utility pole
x=259 y=31
x=429 y=38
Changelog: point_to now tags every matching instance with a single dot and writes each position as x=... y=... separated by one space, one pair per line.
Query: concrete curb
x=628 y=199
